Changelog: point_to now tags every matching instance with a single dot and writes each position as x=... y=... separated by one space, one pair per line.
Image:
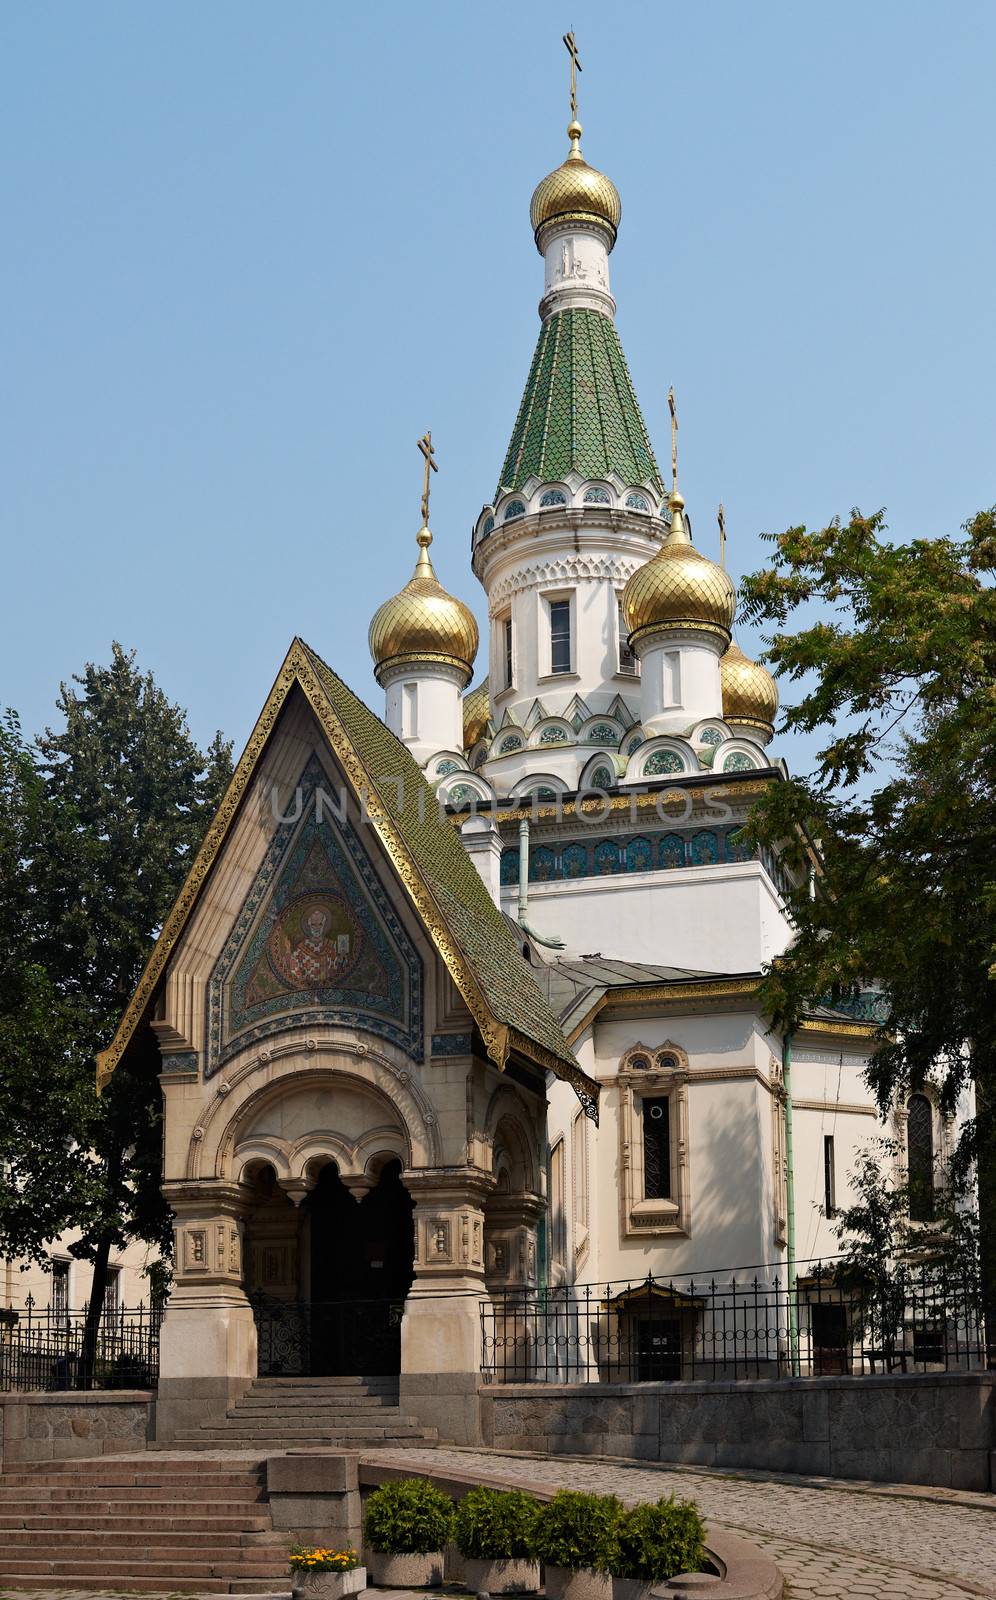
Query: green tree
x=896 y=666
x=122 y=798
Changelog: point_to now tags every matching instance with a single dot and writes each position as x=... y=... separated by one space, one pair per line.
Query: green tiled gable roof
x=485 y=938
x=579 y=412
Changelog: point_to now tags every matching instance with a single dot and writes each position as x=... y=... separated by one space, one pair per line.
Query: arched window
x=601 y=778
x=636 y=502
x=596 y=497
x=662 y=761
x=515 y=508
x=489 y=527
x=553 y=497
x=737 y=762
x=511 y=742
x=920 y=1157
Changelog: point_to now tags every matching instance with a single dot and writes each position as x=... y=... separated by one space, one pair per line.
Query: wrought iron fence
x=42 y=1348
x=310 y=1339
x=728 y=1326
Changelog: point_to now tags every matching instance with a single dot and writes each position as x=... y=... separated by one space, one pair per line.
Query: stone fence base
x=66 y=1426
x=935 y=1429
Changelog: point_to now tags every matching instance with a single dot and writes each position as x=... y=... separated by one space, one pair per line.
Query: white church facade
x=467 y=999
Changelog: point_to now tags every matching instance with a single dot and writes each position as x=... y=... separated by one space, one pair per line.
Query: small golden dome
x=476 y=711
x=576 y=192
x=750 y=693
x=679 y=587
x=423 y=623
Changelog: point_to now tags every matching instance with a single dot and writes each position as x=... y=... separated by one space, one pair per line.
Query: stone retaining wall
x=37 y=1426
x=931 y=1429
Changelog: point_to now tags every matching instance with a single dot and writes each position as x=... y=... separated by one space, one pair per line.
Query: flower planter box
x=406 y=1571
x=518 y=1575
x=563 y=1584
x=329 y=1585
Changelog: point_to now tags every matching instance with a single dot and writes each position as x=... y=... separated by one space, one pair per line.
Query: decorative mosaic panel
x=738 y=762
x=602 y=733
x=597 y=497
x=662 y=761
x=553 y=497
x=639 y=855
x=710 y=736
x=446 y=767
x=515 y=508
x=542 y=864
x=315 y=941
x=704 y=849
x=510 y=866
x=601 y=778
x=513 y=742
x=607 y=857
x=553 y=736
x=672 y=851
x=574 y=861
x=636 y=502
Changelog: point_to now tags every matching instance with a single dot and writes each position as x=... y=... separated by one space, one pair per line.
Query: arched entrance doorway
x=327 y=1278
x=362 y=1255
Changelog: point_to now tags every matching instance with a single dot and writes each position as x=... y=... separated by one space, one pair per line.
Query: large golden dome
x=750 y=693
x=576 y=192
x=679 y=587
x=423 y=623
x=476 y=711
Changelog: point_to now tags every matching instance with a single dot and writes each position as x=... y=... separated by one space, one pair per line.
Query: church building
x=463 y=1000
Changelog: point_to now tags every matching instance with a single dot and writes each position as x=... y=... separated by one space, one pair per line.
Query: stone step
x=213 y=1476
x=223 y=1540
x=49 y=1522
x=341 y=1399
x=266 y=1588
x=128 y=1494
x=280 y=1412
x=330 y=1380
x=339 y=1441
x=14 y=1565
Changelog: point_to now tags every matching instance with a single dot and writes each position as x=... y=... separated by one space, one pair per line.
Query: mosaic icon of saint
x=316 y=958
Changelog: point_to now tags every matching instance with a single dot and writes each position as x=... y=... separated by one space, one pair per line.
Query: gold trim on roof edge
x=297 y=668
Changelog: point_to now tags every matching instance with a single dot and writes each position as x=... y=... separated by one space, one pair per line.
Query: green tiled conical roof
x=579 y=412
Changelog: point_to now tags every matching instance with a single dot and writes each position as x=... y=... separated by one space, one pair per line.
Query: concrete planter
x=406 y=1571
x=563 y=1584
x=329 y=1585
x=515 y=1576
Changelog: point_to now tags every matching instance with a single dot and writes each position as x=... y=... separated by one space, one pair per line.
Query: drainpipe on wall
x=793 y=1304
x=552 y=944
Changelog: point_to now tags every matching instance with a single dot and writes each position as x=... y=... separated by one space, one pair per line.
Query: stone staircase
x=145 y=1525
x=295 y=1413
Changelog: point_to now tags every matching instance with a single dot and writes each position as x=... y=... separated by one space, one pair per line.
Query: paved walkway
x=832 y=1541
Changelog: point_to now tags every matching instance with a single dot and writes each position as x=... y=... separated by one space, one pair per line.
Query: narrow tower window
x=560 y=636
x=829 y=1180
x=627 y=660
x=409 y=711
x=920 y=1157
x=656 y=1150
x=507 y=641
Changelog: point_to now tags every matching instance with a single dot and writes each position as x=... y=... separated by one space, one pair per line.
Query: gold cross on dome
x=721 y=519
x=674 y=437
x=428 y=451
x=572 y=51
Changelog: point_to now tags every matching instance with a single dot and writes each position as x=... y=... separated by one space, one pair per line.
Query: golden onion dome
x=423 y=623
x=576 y=192
x=750 y=693
x=476 y=712
x=679 y=587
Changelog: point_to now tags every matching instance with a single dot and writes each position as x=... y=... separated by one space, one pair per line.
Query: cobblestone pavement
x=831 y=1543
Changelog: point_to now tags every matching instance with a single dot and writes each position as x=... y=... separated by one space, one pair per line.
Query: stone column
x=511 y=1267
x=441 y=1330
x=207 y=1355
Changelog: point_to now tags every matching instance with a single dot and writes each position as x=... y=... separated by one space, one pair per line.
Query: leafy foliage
x=898 y=675
x=657 y=1541
x=408 y=1517
x=99 y=825
x=322 y=1558
x=495 y=1524
x=578 y=1531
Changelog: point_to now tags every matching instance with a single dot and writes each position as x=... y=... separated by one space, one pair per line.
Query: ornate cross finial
x=428 y=451
x=721 y=519
x=572 y=51
x=674 y=437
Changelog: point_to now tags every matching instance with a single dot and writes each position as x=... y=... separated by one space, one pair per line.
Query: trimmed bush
x=408 y=1517
x=577 y=1531
x=495 y=1524
x=653 y=1542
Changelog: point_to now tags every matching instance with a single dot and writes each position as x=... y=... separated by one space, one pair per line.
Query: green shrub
x=408 y=1517
x=577 y=1531
x=653 y=1542
x=495 y=1524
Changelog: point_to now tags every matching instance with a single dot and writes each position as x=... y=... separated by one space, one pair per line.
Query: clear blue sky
x=253 y=251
